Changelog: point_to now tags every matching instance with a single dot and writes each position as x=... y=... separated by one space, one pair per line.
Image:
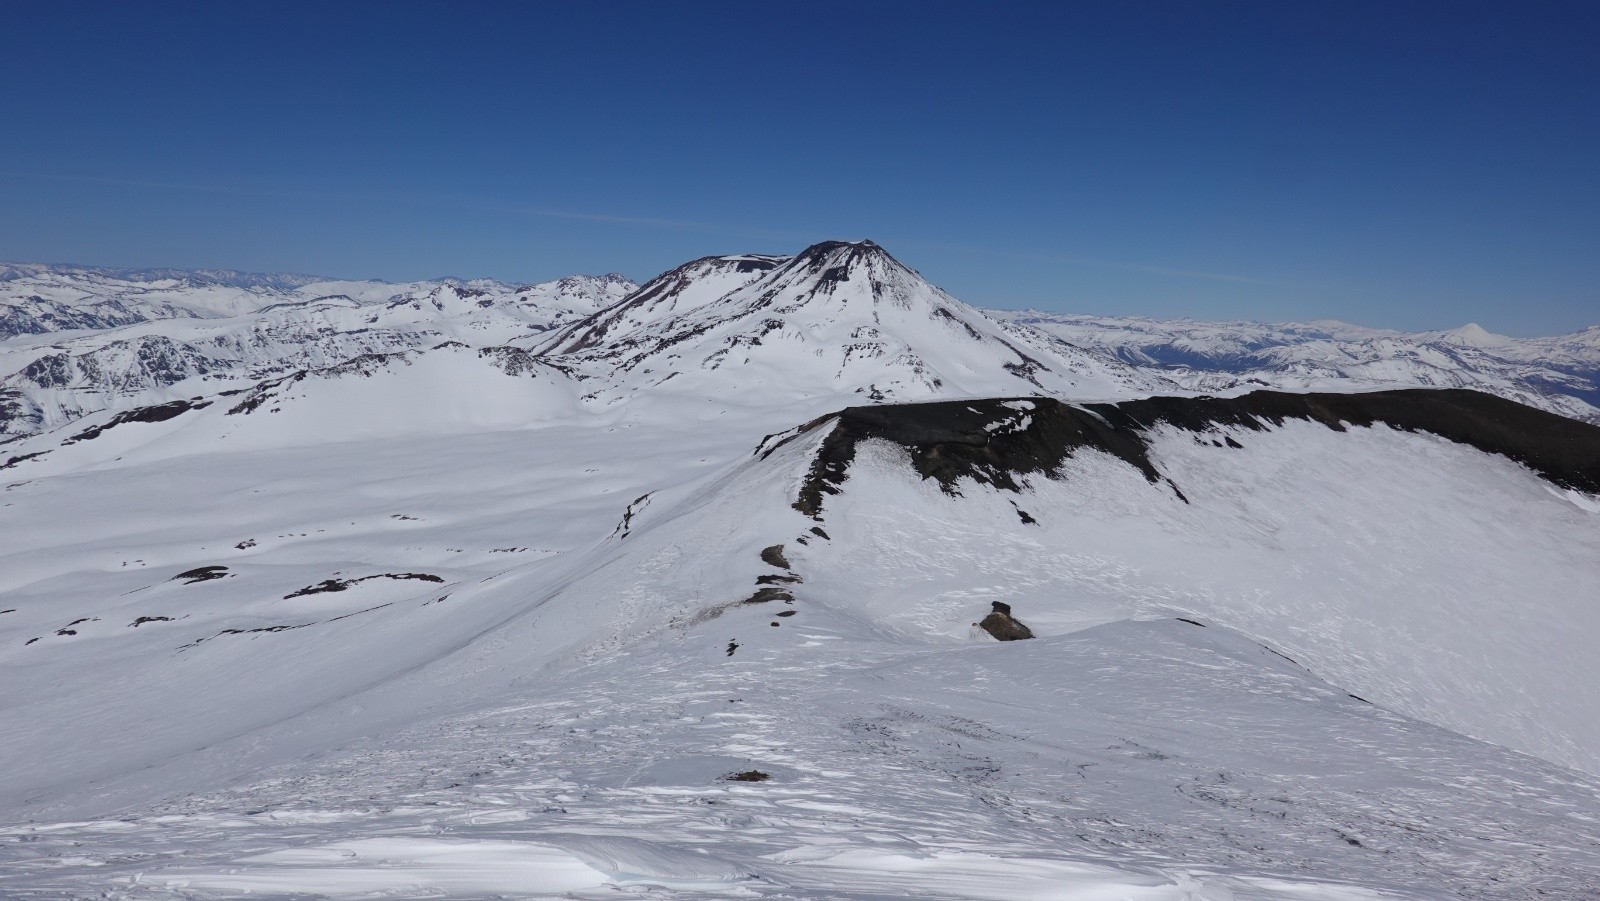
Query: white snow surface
x=1403 y=567
x=476 y=625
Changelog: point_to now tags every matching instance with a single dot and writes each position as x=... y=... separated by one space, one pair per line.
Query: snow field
x=1423 y=575
x=458 y=622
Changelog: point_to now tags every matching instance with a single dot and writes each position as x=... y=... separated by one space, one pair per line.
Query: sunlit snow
x=483 y=616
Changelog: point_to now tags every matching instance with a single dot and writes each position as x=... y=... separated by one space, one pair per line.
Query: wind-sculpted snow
x=1147 y=760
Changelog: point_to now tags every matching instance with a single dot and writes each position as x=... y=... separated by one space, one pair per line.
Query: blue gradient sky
x=1392 y=164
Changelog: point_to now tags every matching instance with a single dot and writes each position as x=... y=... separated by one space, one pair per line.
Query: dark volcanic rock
x=201 y=574
x=1000 y=624
x=22 y=457
x=156 y=413
x=327 y=585
x=323 y=587
x=951 y=440
x=763 y=595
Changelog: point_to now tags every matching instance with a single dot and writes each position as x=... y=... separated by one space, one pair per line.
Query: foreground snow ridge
x=674 y=595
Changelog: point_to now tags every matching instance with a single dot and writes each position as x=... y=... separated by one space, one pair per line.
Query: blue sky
x=1405 y=165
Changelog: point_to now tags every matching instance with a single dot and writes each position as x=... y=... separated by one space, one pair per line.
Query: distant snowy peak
x=579 y=293
x=837 y=318
x=41 y=299
x=131 y=343
x=1475 y=335
x=1560 y=374
x=45 y=299
x=230 y=278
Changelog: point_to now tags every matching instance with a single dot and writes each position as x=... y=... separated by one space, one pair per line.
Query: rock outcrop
x=1000 y=624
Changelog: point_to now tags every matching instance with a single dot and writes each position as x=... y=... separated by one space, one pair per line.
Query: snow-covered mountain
x=847 y=316
x=417 y=595
x=838 y=318
x=1560 y=374
x=207 y=332
x=37 y=298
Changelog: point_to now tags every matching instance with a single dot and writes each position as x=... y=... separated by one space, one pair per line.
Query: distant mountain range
x=81 y=340
x=840 y=317
x=1560 y=374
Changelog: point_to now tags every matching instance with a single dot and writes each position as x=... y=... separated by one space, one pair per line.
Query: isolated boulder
x=1000 y=624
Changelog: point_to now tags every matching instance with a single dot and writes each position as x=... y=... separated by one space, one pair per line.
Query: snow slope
x=1423 y=574
x=542 y=659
